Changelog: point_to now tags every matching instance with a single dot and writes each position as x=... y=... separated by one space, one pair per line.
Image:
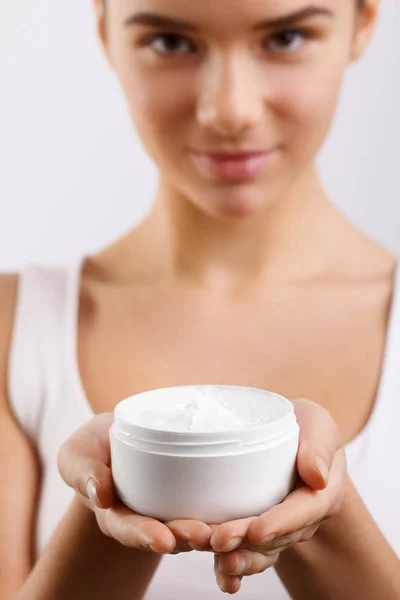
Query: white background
x=73 y=176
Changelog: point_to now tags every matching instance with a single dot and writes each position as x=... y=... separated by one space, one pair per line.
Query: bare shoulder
x=383 y=262
x=8 y=298
x=371 y=261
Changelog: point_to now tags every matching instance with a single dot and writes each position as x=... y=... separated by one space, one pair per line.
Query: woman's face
x=230 y=77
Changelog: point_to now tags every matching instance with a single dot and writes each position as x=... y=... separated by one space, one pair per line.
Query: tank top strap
x=45 y=299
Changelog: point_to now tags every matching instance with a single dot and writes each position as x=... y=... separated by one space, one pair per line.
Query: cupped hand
x=84 y=462
x=250 y=546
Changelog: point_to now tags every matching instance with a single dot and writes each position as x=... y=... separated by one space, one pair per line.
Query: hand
x=249 y=546
x=84 y=463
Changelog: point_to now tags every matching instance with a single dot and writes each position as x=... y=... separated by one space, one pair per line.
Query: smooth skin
x=84 y=463
x=260 y=283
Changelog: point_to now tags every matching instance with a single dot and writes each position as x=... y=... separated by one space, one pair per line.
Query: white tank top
x=47 y=398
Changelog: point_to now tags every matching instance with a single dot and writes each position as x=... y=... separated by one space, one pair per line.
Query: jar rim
x=246 y=436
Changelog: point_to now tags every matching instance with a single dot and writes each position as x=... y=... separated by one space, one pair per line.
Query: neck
x=295 y=240
x=276 y=245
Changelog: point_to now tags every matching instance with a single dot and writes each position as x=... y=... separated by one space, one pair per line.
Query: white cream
x=204 y=410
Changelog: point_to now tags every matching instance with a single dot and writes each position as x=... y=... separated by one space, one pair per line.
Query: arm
x=325 y=545
x=102 y=549
x=80 y=562
x=80 y=557
x=347 y=558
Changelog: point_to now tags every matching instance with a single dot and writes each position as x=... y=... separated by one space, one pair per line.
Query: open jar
x=211 y=453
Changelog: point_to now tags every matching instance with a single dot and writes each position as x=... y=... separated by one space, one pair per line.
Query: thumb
x=84 y=462
x=318 y=444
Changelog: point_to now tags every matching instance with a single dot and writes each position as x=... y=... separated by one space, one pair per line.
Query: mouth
x=232 y=166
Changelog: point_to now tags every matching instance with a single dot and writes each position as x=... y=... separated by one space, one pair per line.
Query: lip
x=232 y=166
x=232 y=154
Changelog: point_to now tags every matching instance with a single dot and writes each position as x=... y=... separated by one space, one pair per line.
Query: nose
x=230 y=100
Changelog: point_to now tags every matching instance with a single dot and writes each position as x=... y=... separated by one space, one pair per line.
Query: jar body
x=211 y=488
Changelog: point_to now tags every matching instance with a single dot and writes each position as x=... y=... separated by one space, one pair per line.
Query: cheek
x=161 y=109
x=306 y=106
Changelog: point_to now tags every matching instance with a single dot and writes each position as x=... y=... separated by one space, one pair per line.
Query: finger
x=195 y=534
x=308 y=533
x=270 y=547
x=242 y=528
x=281 y=543
x=319 y=441
x=229 y=536
x=84 y=462
x=302 y=508
x=135 y=531
x=245 y=562
x=214 y=527
x=227 y=584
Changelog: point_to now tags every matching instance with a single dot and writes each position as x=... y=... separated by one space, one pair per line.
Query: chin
x=236 y=211
x=234 y=208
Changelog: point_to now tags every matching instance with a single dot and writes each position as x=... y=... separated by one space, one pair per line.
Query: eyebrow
x=161 y=21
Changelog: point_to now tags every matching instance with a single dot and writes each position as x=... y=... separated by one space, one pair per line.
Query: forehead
x=223 y=13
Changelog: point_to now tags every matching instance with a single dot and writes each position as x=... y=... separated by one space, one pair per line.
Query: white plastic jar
x=236 y=465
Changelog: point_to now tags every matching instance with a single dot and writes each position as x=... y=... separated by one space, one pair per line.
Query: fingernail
x=221 y=582
x=91 y=490
x=323 y=468
x=233 y=544
x=146 y=540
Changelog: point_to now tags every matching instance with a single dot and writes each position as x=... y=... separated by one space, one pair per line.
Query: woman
x=242 y=273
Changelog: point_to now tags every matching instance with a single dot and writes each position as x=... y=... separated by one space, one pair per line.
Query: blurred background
x=73 y=175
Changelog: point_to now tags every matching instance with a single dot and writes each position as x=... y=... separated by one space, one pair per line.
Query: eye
x=169 y=44
x=287 y=41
